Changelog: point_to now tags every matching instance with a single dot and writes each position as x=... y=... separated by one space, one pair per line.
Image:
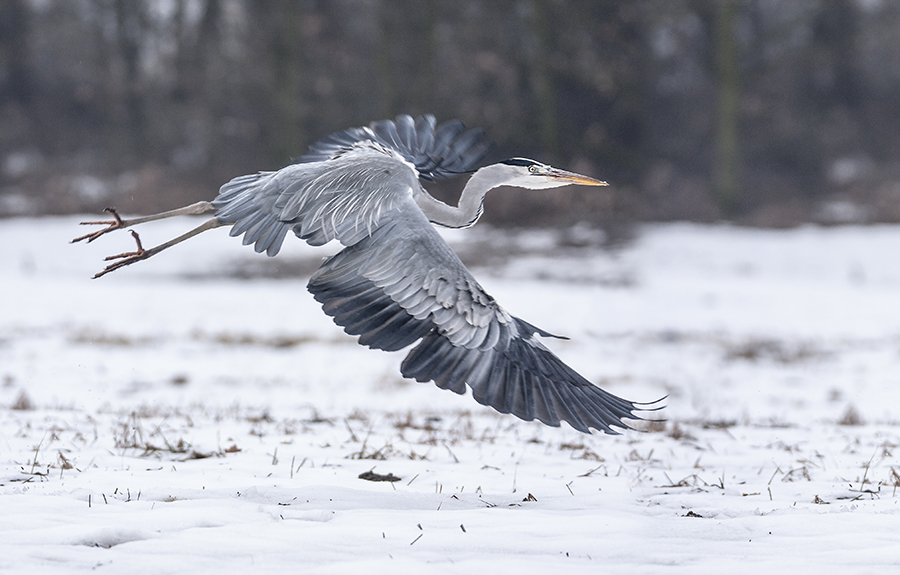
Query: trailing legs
x=128 y=258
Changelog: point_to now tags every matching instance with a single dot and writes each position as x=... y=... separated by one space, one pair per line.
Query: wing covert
x=404 y=285
x=343 y=185
x=343 y=198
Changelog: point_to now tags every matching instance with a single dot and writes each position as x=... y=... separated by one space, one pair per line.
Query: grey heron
x=396 y=282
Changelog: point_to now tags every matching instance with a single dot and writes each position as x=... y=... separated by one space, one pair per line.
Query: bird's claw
x=114 y=224
x=125 y=258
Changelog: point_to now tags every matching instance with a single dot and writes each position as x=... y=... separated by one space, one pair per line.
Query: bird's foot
x=116 y=223
x=125 y=258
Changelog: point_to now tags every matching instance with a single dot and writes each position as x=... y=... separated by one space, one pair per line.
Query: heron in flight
x=396 y=282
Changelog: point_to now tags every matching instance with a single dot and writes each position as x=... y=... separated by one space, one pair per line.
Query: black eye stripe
x=519 y=162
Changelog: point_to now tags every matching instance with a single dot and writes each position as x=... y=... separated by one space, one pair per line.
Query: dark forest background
x=756 y=111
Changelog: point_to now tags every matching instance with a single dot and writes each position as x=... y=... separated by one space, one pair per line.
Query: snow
x=197 y=412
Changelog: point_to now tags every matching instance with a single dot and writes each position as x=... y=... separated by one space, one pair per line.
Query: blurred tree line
x=763 y=112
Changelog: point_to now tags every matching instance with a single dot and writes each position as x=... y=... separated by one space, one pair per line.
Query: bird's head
x=525 y=173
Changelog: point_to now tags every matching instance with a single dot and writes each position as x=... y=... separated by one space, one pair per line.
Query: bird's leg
x=128 y=258
x=117 y=222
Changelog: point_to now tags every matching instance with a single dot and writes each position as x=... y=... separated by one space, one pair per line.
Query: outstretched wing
x=343 y=186
x=344 y=198
x=403 y=284
x=436 y=151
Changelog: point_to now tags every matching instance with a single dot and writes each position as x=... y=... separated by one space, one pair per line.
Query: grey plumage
x=341 y=199
x=436 y=151
x=397 y=283
x=394 y=293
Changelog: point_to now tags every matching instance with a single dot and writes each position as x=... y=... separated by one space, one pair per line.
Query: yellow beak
x=574 y=178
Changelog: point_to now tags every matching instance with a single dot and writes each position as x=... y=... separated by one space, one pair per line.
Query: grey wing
x=343 y=199
x=404 y=284
x=341 y=188
x=436 y=151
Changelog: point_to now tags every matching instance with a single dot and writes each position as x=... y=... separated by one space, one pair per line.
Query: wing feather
x=406 y=130
x=348 y=180
x=523 y=402
x=403 y=285
x=434 y=150
x=397 y=284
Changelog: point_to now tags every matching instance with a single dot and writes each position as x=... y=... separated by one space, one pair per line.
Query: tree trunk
x=727 y=158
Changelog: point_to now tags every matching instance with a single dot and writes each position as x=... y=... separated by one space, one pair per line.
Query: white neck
x=471 y=199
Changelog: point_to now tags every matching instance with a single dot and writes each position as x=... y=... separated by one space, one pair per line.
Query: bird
x=396 y=283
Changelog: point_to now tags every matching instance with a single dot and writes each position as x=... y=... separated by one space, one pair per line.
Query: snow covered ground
x=199 y=413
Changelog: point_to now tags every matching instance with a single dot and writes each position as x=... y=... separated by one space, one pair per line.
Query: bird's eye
x=532 y=168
